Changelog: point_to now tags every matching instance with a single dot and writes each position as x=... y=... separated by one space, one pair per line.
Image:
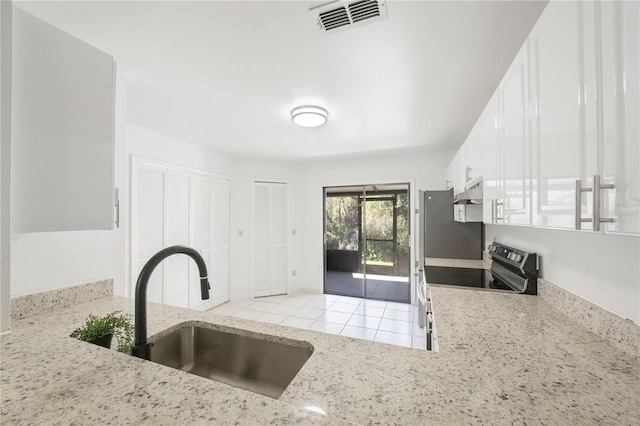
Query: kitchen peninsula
x=539 y=367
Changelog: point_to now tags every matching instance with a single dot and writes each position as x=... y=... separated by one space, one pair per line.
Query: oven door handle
x=422 y=293
x=422 y=302
x=515 y=281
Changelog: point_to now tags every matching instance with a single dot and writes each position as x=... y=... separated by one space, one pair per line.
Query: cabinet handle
x=597 y=219
x=117 y=206
x=499 y=218
x=493 y=211
x=597 y=198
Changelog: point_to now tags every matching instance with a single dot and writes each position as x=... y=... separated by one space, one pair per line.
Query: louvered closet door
x=219 y=271
x=201 y=236
x=176 y=267
x=269 y=261
x=179 y=207
x=149 y=226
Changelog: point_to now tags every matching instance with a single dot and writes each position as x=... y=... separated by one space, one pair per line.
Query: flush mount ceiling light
x=309 y=116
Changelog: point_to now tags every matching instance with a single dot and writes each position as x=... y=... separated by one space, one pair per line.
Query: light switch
x=240 y=233
x=293 y=231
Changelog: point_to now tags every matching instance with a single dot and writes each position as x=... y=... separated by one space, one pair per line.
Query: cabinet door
x=458 y=172
x=491 y=173
x=473 y=153
x=62 y=124
x=620 y=38
x=564 y=111
x=515 y=141
x=449 y=176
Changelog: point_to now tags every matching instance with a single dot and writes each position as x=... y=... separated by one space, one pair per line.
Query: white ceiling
x=227 y=74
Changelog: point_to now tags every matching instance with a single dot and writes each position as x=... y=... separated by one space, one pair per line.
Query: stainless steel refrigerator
x=440 y=235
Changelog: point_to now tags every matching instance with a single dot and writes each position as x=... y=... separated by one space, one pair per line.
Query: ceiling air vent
x=344 y=15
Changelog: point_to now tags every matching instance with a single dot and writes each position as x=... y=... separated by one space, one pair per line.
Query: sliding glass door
x=367 y=242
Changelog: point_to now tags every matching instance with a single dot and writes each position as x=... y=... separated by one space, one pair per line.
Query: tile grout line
x=361 y=303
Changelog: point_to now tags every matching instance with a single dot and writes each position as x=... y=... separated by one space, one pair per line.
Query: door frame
x=413 y=232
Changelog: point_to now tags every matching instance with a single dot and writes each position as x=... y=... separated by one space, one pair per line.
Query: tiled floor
x=384 y=322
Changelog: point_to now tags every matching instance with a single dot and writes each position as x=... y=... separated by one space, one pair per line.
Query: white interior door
x=201 y=235
x=173 y=206
x=148 y=235
x=269 y=251
x=176 y=292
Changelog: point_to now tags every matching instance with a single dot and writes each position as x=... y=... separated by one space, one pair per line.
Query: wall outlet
x=293 y=232
x=240 y=233
x=293 y=273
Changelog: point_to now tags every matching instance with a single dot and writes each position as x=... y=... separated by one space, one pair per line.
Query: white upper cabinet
x=620 y=37
x=514 y=141
x=564 y=131
x=448 y=183
x=473 y=154
x=466 y=167
x=458 y=171
x=491 y=163
x=62 y=149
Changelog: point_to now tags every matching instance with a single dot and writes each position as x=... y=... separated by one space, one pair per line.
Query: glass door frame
x=362 y=238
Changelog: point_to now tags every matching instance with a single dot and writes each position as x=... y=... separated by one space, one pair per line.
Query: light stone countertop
x=504 y=359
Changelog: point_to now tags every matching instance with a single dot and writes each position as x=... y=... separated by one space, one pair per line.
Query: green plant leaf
x=115 y=323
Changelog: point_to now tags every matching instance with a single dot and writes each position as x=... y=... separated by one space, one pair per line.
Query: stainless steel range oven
x=513 y=269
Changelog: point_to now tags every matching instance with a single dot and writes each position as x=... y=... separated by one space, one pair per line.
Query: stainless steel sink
x=250 y=361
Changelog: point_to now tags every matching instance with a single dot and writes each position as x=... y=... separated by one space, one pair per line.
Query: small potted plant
x=100 y=330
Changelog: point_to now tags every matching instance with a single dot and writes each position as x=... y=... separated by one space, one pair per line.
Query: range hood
x=472 y=194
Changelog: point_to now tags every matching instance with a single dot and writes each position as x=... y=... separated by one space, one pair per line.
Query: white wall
x=604 y=269
x=425 y=171
x=51 y=260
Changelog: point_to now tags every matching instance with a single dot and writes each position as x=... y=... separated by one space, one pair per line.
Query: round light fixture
x=309 y=116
